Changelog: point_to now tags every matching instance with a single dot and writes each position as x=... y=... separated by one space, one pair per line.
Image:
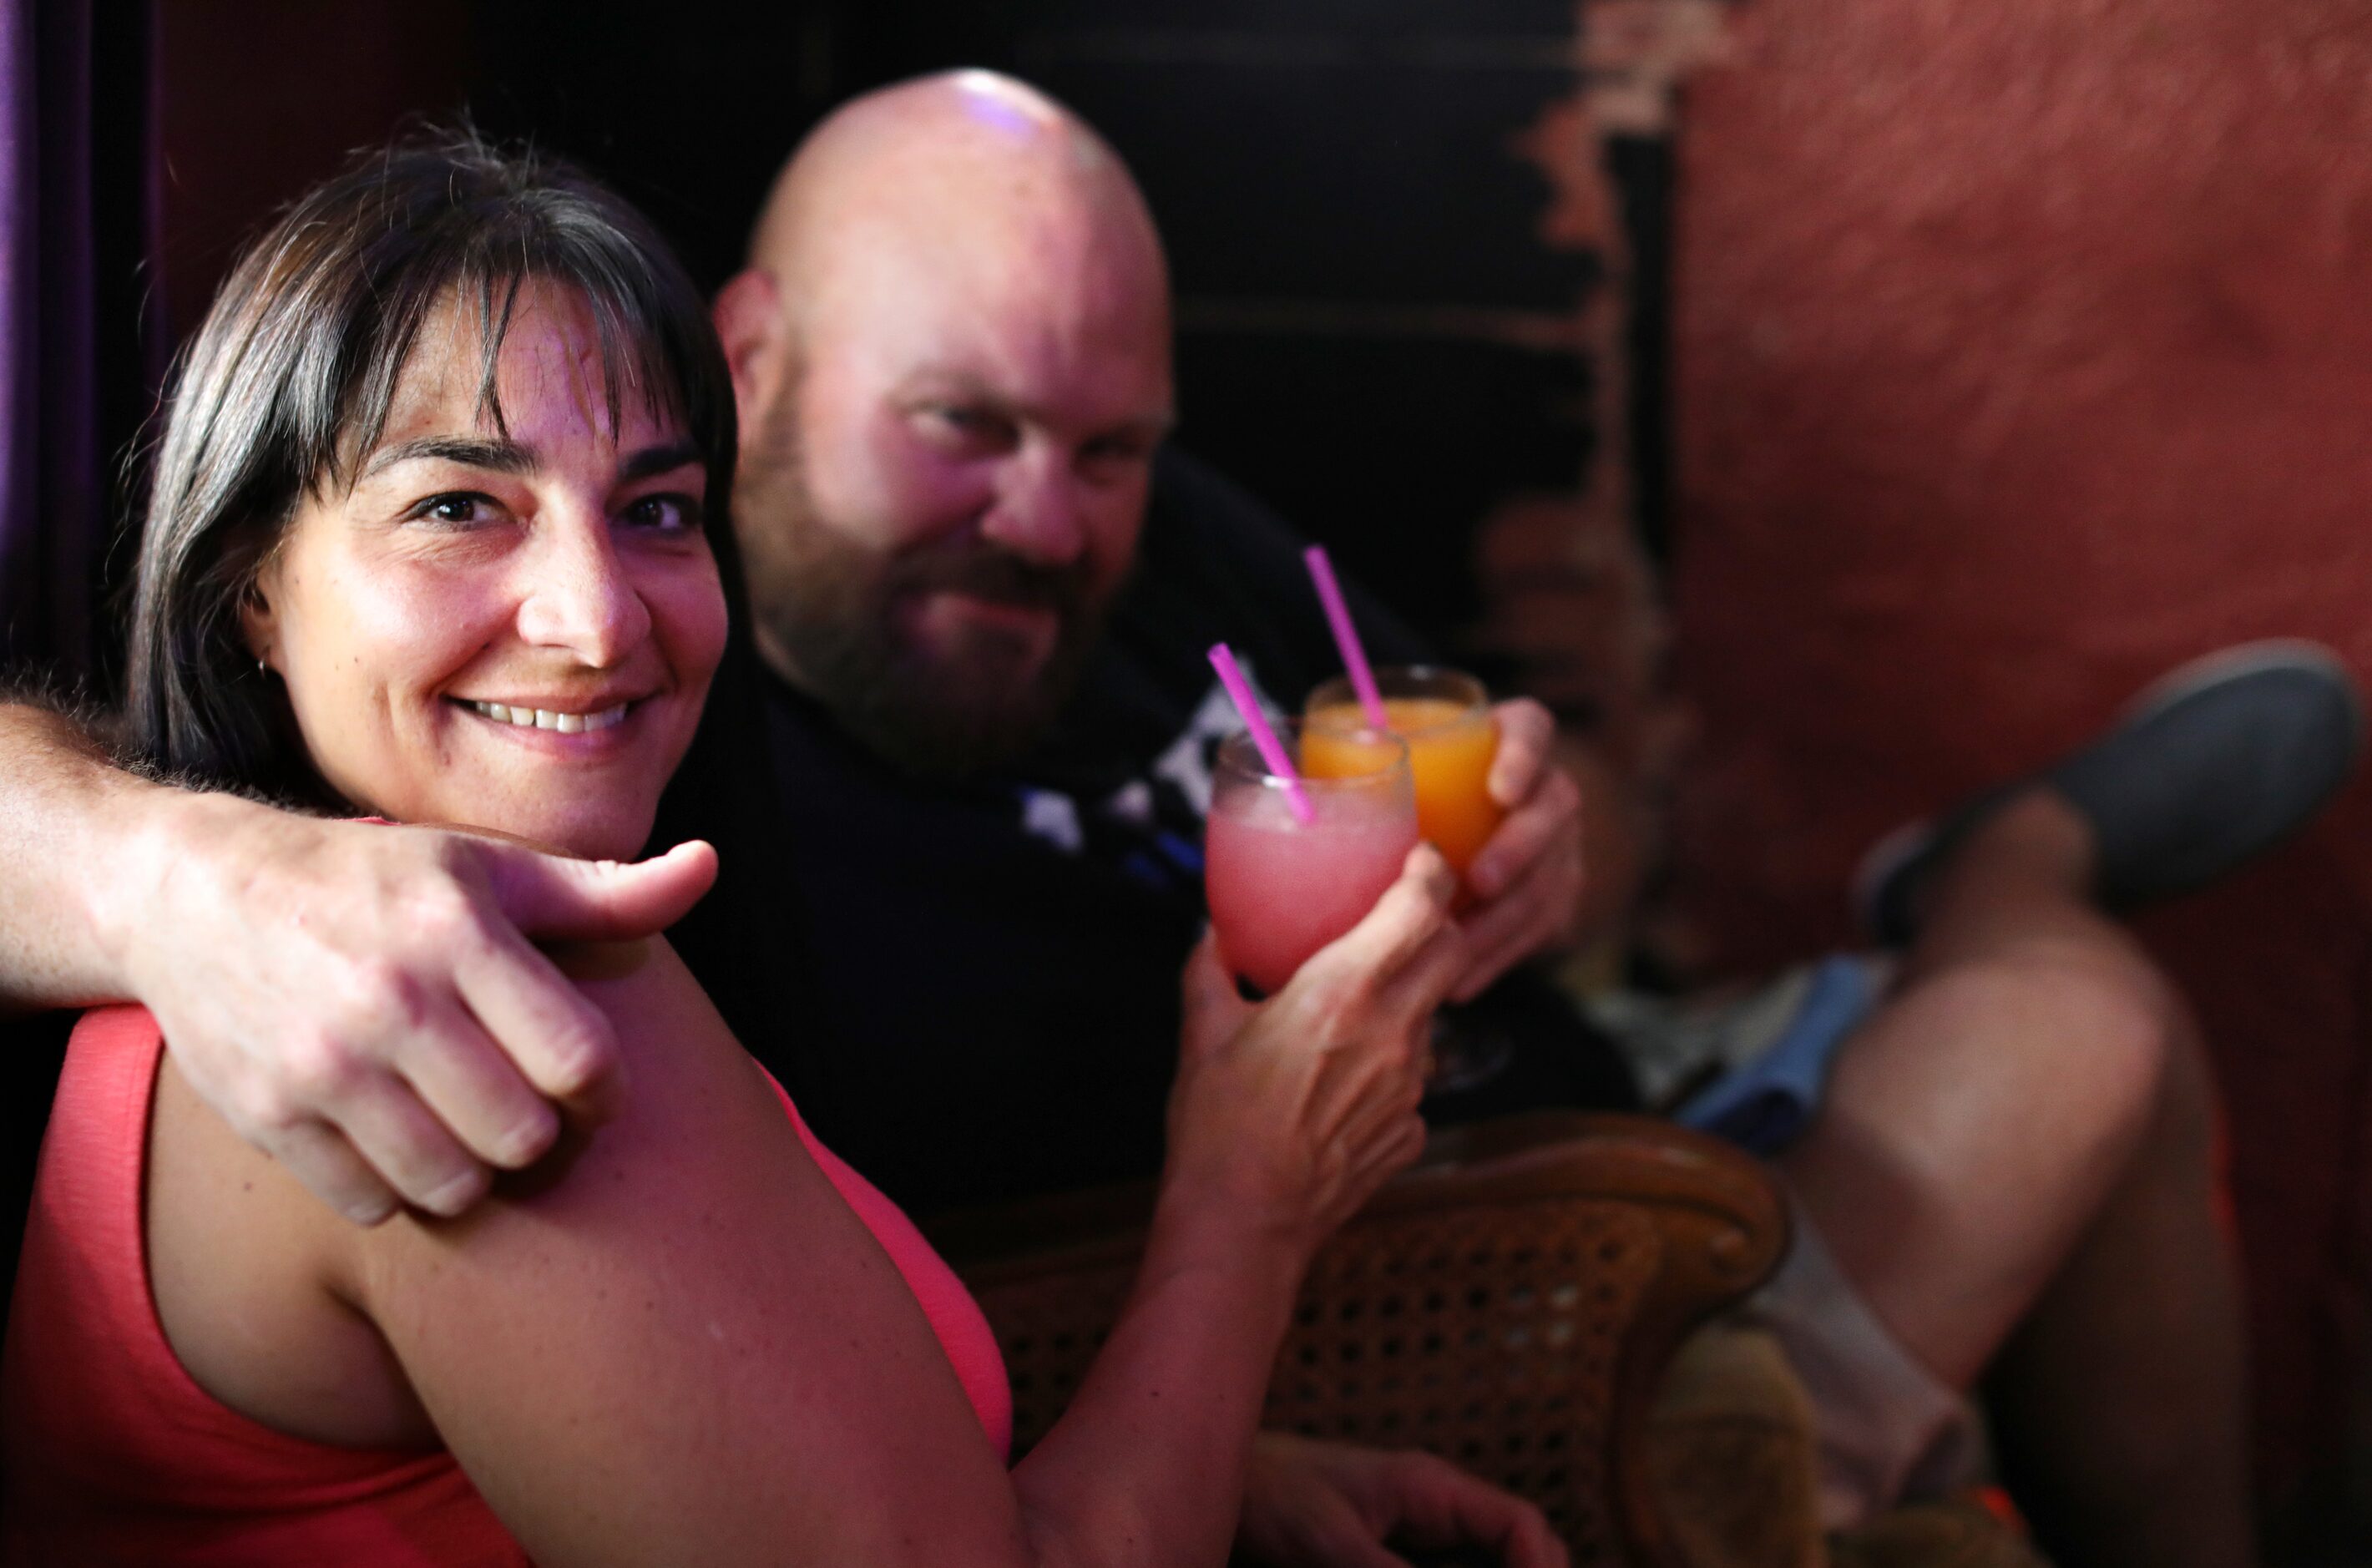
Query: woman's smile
x=515 y=714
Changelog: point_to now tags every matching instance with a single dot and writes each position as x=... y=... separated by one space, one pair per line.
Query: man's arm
x=357 y=1001
x=59 y=796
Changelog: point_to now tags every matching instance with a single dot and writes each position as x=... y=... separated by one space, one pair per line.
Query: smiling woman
x=437 y=534
x=515 y=624
x=321 y=322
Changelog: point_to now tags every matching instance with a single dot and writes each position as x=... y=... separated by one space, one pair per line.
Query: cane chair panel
x=1509 y=1305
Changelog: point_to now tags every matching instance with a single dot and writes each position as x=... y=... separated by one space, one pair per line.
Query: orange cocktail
x=1445 y=719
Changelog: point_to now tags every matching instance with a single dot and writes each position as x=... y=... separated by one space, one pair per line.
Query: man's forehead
x=1000 y=327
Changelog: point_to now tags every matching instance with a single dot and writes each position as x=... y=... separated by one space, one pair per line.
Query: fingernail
x=526 y=1143
x=457 y=1194
x=580 y=1071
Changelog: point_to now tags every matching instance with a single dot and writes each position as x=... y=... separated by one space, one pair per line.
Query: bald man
x=980 y=593
x=986 y=601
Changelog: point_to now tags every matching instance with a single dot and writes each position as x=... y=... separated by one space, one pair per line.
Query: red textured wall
x=2024 y=348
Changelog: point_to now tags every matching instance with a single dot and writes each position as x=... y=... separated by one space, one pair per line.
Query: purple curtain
x=80 y=331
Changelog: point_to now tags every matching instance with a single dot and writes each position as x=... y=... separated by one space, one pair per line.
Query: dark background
x=1369 y=321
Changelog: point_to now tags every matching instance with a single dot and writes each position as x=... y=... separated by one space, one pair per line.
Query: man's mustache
x=998 y=577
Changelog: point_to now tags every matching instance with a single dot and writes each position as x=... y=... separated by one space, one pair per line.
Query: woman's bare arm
x=673 y=1342
x=683 y=1346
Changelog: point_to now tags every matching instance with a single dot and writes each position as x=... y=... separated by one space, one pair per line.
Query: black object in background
x=1362 y=288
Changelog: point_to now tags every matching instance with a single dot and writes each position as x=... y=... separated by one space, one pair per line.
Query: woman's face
x=512 y=630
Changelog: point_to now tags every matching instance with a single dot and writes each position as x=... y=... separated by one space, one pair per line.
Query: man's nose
x=1037 y=514
x=579 y=596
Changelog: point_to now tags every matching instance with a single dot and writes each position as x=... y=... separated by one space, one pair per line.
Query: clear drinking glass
x=1279 y=888
x=1445 y=716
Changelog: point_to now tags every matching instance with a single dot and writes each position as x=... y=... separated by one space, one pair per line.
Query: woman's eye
x=458 y=510
x=666 y=513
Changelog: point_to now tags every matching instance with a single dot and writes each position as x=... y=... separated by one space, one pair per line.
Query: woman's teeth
x=544 y=718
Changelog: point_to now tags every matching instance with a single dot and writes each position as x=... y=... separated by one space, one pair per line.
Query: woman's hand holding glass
x=1293 y=1110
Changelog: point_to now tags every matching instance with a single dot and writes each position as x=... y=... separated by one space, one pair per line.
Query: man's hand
x=1312 y=1505
x=1527 y=880
x=363 y=1002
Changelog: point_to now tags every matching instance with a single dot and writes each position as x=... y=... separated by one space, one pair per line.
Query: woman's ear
x=256 y=622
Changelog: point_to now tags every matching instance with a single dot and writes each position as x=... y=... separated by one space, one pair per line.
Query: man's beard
x=829 y=608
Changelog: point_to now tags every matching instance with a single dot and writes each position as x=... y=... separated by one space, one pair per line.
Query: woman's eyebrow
x=659 y=460
x=497 y=456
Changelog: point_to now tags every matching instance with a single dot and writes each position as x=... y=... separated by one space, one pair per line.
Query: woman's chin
x=607 y=838
x=581 y=832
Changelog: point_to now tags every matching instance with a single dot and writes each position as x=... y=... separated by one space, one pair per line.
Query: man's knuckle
x=371 y=983
x=264 y=1112
x=320 y=1070
x=445 y=917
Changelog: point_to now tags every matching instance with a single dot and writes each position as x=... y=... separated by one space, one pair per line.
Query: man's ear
x=748 y=317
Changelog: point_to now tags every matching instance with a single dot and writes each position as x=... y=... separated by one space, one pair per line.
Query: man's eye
x=972 y=424
x=1117 y=449
x=666 y=513
x=456 y=509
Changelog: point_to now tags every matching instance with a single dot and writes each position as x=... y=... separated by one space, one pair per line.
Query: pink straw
x=1346 y=636
x=1271 y=750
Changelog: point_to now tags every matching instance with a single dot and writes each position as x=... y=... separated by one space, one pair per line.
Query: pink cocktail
x=1280 y=888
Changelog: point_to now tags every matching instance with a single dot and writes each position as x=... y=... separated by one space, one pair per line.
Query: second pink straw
x=1346 y=636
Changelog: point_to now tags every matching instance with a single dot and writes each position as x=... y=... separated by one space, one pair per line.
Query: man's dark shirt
x=992 y=968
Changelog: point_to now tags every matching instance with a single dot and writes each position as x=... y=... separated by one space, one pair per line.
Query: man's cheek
x=910 y=493
x=1117 y=534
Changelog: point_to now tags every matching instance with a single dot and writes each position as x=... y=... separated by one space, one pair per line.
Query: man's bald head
x=952 y=356
x=961 y=155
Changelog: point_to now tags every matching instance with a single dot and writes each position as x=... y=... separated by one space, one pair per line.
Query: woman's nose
x=580 y=596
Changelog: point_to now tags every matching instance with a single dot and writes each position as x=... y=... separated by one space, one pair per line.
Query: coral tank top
x=115 y=1455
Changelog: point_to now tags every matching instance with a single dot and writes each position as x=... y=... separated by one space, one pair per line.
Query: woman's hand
x=1312 y=1505
x=1294 y=1111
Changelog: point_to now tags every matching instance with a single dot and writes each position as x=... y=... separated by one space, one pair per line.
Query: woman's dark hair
x=286 y=387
